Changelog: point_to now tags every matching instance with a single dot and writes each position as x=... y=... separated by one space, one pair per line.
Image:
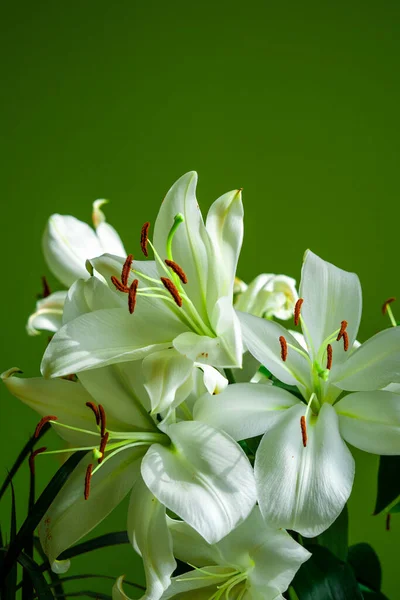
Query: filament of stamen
x=88 y=432
x=117 y=451
x=170 y=286
x=301 y=352
x=297 y=310
x=102 y=414
x=88 y=477
x=95 y=411
x=144 y=238
x=42 y=423
x=284 y=350
x=387 y=309
x=132 y=295
x=177 y=269
x=329 y=354
x=303 y=430
x=32 y=458
x=126 y=269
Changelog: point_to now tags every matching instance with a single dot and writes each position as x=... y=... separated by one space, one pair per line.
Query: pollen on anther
x=329 y=357
x=32 y=458
x=132 y=295
x=343 y=326
x=386 y=304
x=144 y=237
x=95 y=411
x=176 y=269
x=42 y=423
x=88 y=477
x=102 y=414
x=120 y=286
x=303 y=430
x=170 y=286
x=126 y=269
x=297 y=310
x=284 y=349
x=345 y=341
x=102 y=448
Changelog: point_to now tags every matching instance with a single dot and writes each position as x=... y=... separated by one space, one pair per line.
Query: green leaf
x=26 y=450
x=388 y=483
x=324 y=577
x=94 y=576
x=366 y=566
x=336 y=537
x=39 y=509
x=10 y=582
x=87 y=594
x=27 y=586
x=108 y=539
x=39 y=583
x=54 y=577
x=395 y=508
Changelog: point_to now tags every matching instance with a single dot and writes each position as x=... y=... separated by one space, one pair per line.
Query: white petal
x=262 y=339
x=108 y=237
x=330 y=295
x=167 y=379
x=70 y=516
x=203 y=349
x=191 y=547
x=224 y=225
x=371 y=421
x=147 y=526
x=87 y=296
x=196 y=585
x=244 y=410
x=58 y=397
x=67 y=243
x=108 y=336
x=108 y=265
x=373 y=365
x=204 y=477
x=214 y=382
x=269 y=295
x=48 y=314
x=227 y=327
x=299 y=488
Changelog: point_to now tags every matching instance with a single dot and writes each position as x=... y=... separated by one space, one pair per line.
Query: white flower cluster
x=137 y=375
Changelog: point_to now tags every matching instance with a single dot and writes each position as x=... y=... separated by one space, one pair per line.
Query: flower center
x=234 y=579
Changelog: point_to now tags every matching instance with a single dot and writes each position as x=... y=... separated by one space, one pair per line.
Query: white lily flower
x=48 y=314
x=195 y=320
x=303 y=468
x=199 y=473
x=268 y=296
x=253 y=562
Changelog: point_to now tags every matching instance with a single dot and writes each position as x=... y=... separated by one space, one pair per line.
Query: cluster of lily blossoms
x=158 y=370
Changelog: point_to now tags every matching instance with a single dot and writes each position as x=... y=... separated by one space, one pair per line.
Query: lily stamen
x=95 y=411
x=172 y=289
x=32 y=458
x=102 y=448
x=343 y=326
x=176 y=269
x=42 y=423
x=345 y=341
x=284 y=348
x=297 y=310
x=132 y=295
x=88 y=477
x=329 y=354
x=144 y=238
x=102 y=414
x=387 y=309
x=120 y=286
x=126 y=269
x=303 y=426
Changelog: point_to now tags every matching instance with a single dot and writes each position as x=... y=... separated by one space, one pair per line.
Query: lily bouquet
x=173 y=381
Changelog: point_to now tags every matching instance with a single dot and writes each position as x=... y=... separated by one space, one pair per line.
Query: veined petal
x=147 y=527
x=191 y=547
x=87 y=296
x=196 y=585
x=371 y=421
x=108 y=237
x=224 y=225
x=108 y=336
x=227 y=327
x=330 y=295
x=70 y=516
x=262 y=339
x=204 y=477
x=167 y=379
x=67 y=243
x=59 y=397
x=203 y=349
x=373 y=365
x=48 y=314
x=304 y=488
x=108 y=265
x=269 y=295
x=213 y=381
x=244 y=410
x=191 y=244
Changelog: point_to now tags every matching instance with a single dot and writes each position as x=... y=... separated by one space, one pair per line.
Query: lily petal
x=304 y=488
x=204 y=477
x=227 y=326
x=371 y=421
x=262 y=339
x=191 y=547
x=330 y=296
x=195 y=585
x=244 y=410
x=70 y=516
x=107 y=235
x=373 y=365
x=147 y=527
x=203 y=349
x=48 y=314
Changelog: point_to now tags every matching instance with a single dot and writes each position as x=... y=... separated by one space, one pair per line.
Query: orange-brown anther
x=42 y=423
x=284 y=349
x=88 y=477
x=95 y=411
x=329 y=356
x=385 y=305
x=167 y=283
x=297 y=310
x=176 y=269
x=102 y=414
x=126 y=269
x=343 y=326
x=102 y=448
x=144 y=237
x=132 y=295
x=120 y=286
x=32 y=458
x=345 y=341
x=303 y=430
x=46 y=291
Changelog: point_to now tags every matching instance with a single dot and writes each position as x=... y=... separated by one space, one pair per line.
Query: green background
x=298 y=103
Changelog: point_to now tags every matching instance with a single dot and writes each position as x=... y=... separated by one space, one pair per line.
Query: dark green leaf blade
x=108 y=539
x=388 y=483
x=27 y=586
x=324 y=577
x=98 y=576
x=39 y=583
x=366 y=566
x=54 y=577
x=87 y=594
x=40 y=508
x=336 y=537
x=10 y=582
